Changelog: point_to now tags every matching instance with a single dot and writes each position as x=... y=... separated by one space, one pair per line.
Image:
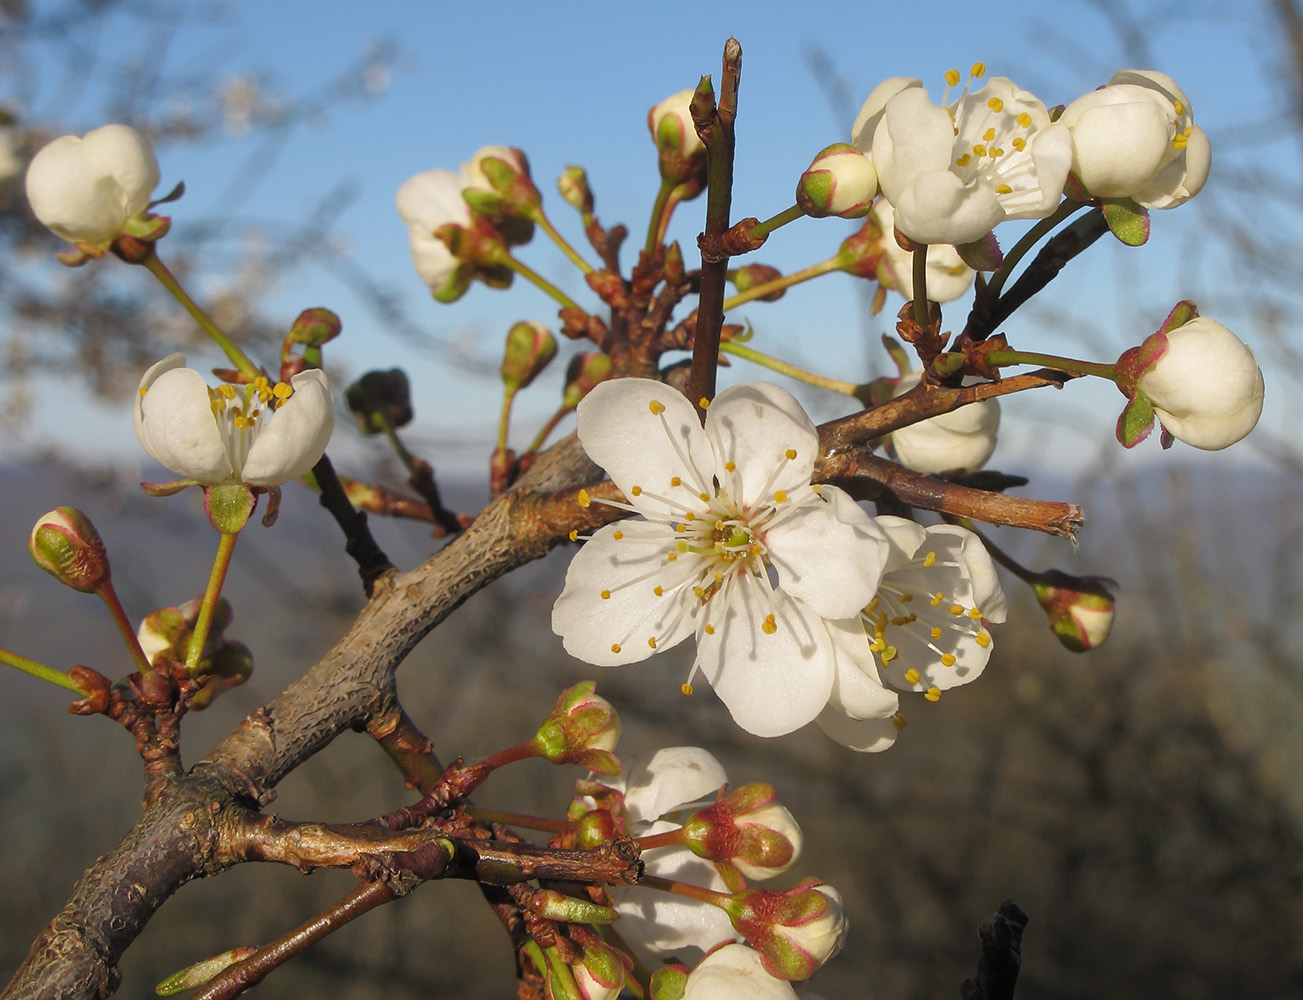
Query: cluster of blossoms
x=803 y=606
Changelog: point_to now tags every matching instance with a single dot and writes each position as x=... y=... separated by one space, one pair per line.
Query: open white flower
x=926 y=629
x=961 y=439
x=426 y=202
x=258 y=434
x=735 y=972
x=955 y=172
x=736 y=547
x=1206 y=387
x=948 y=277
x=1136 y=138
x=85 y=189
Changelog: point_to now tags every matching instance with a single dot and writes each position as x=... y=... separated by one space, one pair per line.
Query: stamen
x=703 y=402
x=978 y=71
x=583 y=498
x=606 y=595
x=770 y=626
x=899 y=722
x=930 y=560
x=656 y=406
x=912 y=676
x=618 y=534
x=952 y=77
x=933 y=694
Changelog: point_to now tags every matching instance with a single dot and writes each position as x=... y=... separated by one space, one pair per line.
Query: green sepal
x=1136 y=421
x=168 y=489
x=1127 y=221
x=982 y=254
x=669 y=982
x=1181 y=313
x=229 y=506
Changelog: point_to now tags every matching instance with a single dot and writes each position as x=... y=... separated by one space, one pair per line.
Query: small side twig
x=997 y=969
x=371 y=561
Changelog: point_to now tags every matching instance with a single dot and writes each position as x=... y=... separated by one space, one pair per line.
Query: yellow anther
x=899 y=722
x=676 y=481
x=574 y=534
x=770 y=626
x=956 y=609
x=606 y=595
x=652 y=642
x=689 y=516
x=978 y=71
x=719 y=525
x=583 y=498
x=680 y=546
x=705 y=497
x=225 y=391
x=1180 y=108
x=618 y=534
x=703 y=402
x=791 y=454
x=686 y=688
x=947 y=660
x=905 y=598
x=1024 y=120
x=144 y=389
x=995 y=104
x=780 y=496
x=983 y=639
x=933 y=694
x=730 y=467
x=989 y=135
x=659 y=591
x=671 y=557
x=282 y=390
x=636 y=491
x=615 y=647
x=899 y=621
x=930 y=559
x=817 y=489
x=698 y=592
x=963 y=161
x=952 y=77
x=889 y=654
x=936 y=634
x=937 y=598
x=979 y=150
x=877 y=646
x=873 y=606
x=757 y=550
x=1003 y=189
x=710 y=630
x=656 y=406
x=912 y=676
x=975 y=614
x=1019 y=143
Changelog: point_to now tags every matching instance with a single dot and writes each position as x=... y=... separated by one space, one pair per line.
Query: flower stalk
x=42 y=672
x=204 y=621
x=155 y=266
x=788 y=369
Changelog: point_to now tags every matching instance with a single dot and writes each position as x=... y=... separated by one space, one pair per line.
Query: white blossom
x=259 y=434
x=961 y=439
x=735 y=972
x=1136 y=138
x=86 y=189
x=948 y=277
x=735 y=546
x=426 y=202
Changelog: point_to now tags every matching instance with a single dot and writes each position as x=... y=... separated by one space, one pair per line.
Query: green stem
x=41 y=671
x=549 y=427
x=110 y=598
x=721 y=899
x=1001 y=358
x=221 y=563
x=545 y=224
x=504 y=421
x=1024 y=246
x=535 y=279
x=781 y=219
x=784 y=282
x=920 y=286
x=522 y=820
x=790 y=370
x=670 y=838
x=159 y=270
x=660 y=215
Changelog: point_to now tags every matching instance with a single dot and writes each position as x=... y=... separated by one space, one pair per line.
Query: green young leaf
x=1127 y=221
x=1136 y=421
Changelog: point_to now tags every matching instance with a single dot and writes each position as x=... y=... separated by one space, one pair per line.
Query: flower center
x=241 y=411
x=988 y=135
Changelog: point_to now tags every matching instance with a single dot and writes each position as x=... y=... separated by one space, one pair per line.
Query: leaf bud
x=573 y=185
x=66 y=545
x=746 y=278
x=552 y=905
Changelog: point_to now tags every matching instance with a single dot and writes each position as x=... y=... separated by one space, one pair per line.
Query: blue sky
x=573 y=84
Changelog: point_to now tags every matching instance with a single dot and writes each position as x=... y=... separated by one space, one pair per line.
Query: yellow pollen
x=979 y=150
x=757 y=550
x=930 y=560
x=1024 y=120
x=817 y=489
x=948 y=660
x=997 y=153
x=975 y=614
x=877 y=646
x=1179 y=141
x=703 y=402
x=905 y=598
x=952 y=77
x=719 y=577
x=978 y=71
x=574 y=534
x=936 y=600
x=615 y=647
x=982 y=639
x=1019 y=143
x=710 y=630
x=689 y=516
x=583 y=498
x=144 y=389
x=936 y=633
x=791 y=454
x=956 y=609
x=1180 y=108
x=656 y=406
x=698 y=592
x=282 y=390
x=730 y=467
x=933 y=694
x=671 y=557
x=995 y=104
x=770 y=626
x=705 y=497
x=989 y=135
x=226 y=392
x=606 y=595
x=912 y=676
x=652 y=642
x=873 y=605
x=963 y=161
x=676 y=481
x=618 y=535
x=889 y=654
x=899 y=722
x=1003 y=189
x=636 y=491
x=685 y=688
x=780 y=496
x=659 y=591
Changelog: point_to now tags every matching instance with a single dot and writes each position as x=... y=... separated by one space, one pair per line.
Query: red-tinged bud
x=584 y=372
x=1080 y=608
x=530 y=348
x=165 y=633
x=747 y=829
x=573 y=185
x=746 y=278
x=597 y=972
x=675 y=273
x=839 y=181
x=583 y=729
x=552 y=905
x=498 y=184
x=201 y=972
x=682 y=153
x=66 y=545
x=732 y=972
x=669 y=982
x=795 y=931
x=380 y=401
x=596 y=827
x=314 y=327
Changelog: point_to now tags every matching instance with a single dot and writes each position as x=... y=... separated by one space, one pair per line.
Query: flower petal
x=857 y=690
x=757 y=426
x=829 y=553
x=675 y=776
x=863 y=735
x=645 y=434
x=175 y=424
x=772 y=683
x=626 y=561
x=296 y=433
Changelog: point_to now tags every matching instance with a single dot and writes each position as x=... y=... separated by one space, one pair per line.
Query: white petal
x=866 y=122
x=829 y=554
x=296 y=434
x=629 y=569
x=735 y=972
x=175 y=424
x=937 y=207
x=644 y=434
x=864 y=735
x=673 y=777
x=914 y=135
x=905 y=537
x=857 y=690
x=70 y=193
x=129 y=159
x=771 y=684
x=756 y=426
x=432 y=199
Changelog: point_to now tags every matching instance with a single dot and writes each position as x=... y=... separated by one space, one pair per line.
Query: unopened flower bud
x=748 y=829
x=582 y=729
x=583 y=373
x=795 y=931
x=1080 y=608
x=201 y=972
x=166 y=633
x=380 y=401
x=839 y=181
x=314 y=327
x=746 y=278
x=573 y=185
x=66 y=545
x=597 y=973
x=498 y=183
x=682 y=153
x=552 y=905
x=669 y=982
x=530 y=348
x=733 y=972
x=230 y=667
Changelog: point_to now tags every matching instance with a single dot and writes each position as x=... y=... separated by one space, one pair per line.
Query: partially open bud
x=795 y=931
x=573 y=185
x=1080 y=608
x=682 y=153
x=530 y=348
x=229 y=667
x=498 y=184
x=583 y=729
x=839 y=181
x=380 y=401
x=66 y=545
x=166 y=633
x=597 y=973
x=733 y=972
x=748 y=829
